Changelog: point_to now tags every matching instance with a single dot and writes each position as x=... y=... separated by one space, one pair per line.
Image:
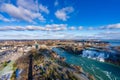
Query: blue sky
x=60 y=19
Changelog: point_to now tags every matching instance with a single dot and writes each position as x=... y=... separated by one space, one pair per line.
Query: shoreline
x=80 y=52
x=73 y=66
x=99 y=67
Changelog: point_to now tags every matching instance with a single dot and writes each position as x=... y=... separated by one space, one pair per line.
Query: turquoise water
x=113 y=42
x=101 y=71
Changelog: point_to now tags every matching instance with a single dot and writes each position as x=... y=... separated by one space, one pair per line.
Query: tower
x=36 y=45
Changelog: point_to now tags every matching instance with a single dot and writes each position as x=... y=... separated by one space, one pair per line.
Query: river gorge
x=100 y=70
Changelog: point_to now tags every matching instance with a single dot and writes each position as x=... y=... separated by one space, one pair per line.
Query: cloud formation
x=33 y=5
x=24 y=10
x=21 y=13
x=30 y=5
x=100 y=35
x=62 y=14
x=48 y=27
x=43 y=9
x=72 y=28
x=80 y=27
x=55 y=27
x=2 y=18
x=111 y=26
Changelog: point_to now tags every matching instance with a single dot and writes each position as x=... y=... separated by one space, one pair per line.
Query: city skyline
x=59 y=19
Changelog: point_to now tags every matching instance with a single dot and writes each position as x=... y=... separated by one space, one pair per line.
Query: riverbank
x=102 y=54
x=75 y=68
x=100 y=70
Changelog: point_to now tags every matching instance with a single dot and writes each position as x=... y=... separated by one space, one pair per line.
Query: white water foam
x=99 y=77
x=108 y=74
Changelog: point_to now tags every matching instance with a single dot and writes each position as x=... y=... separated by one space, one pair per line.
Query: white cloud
x=56 y=27
x=80 y=27
x=43 y=9
x=30 y=5
x=21 y=36
x=4 y=19
x=48 y=27
x=104 y=35
x=72 y=28
x=109 y=35
x=16 y=28
x=62 y=14
x=21 y=13
x=111 y=26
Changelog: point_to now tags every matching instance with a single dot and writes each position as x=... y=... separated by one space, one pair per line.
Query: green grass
x=7 y=68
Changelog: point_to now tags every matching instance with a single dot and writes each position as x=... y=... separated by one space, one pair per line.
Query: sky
x=60 y=19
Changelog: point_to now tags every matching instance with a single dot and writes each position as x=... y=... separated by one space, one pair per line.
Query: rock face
x=73 y=50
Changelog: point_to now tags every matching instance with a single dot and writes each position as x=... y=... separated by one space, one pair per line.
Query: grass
x=7 y=68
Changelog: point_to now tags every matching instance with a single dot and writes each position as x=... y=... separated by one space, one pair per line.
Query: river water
x=113 y=42
x=101 y=70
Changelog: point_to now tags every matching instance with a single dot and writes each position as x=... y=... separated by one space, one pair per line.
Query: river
x=113 y=42
x=101 y=70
